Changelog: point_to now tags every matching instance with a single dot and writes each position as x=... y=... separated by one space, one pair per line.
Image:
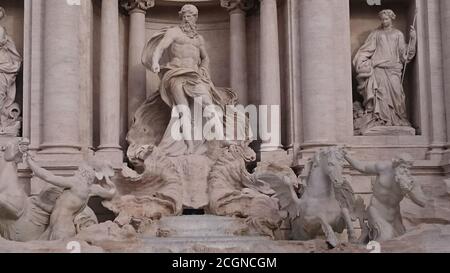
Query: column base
x=308 y=149
x=60 y=148
x=445 y=161
x=111 y=155
x=60 y=156
x=279 y=156
x=437 y=152
x=267 y=147
x=59 y=164
x=317 y=144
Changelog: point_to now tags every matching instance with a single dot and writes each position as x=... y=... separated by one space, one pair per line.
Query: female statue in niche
x=10 y=64
x=379 y=65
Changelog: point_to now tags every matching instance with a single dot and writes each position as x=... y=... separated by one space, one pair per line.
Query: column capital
x=237 y=5
x=137 y=5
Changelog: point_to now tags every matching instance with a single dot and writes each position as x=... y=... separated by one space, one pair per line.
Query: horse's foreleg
x=329 y=233
x=349 y=224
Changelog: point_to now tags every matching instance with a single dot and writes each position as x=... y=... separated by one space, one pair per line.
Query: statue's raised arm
x=165 y=42
x=363 y=167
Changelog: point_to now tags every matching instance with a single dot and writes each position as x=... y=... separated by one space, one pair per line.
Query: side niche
x=11 y=72
x=385 y=68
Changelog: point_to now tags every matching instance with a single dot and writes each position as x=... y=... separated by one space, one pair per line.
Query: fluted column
x=137 y=93
x=445 y=26
x=61 y=90
x=110 y=82
x=238 y=46
x=318 y=67
x=87 y=75
x=270 y=71
x=436 y=87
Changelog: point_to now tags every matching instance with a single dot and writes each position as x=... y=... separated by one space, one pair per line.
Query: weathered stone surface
x=45 y=247
x=437 y=208
x=194 y=170
x=244 y=245
x=205 y=226
x=423 y=239
x=109 y=236
x=389 y=131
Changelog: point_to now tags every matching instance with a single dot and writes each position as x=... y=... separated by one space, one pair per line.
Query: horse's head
x=243 y=151
x=331 y=161
x=14 y=150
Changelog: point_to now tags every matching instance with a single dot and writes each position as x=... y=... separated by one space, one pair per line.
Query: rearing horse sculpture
x=327 y=203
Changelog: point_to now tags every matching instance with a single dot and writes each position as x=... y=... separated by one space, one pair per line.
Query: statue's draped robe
x=379 y=64
x=196 y=83
x=10 y=63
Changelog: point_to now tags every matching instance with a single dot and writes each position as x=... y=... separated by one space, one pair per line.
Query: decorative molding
x=238 y=5
x=156 y=25
x=137 y=5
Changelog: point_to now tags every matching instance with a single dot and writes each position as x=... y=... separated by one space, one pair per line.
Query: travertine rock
x=423 y=239
x=233 y=191
x=109 y=236
x=436 y=210
x=47 y=247
x=143 y=197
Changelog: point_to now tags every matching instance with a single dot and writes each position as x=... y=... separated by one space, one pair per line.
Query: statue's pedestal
x=194 y=171
x=390 y=131
x=201 y=226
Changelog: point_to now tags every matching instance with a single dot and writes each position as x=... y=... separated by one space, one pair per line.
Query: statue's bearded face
x=189 y=18
x=189 y=23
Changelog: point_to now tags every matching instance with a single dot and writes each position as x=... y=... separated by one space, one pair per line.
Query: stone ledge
x=427 y=238
x=390 y=131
